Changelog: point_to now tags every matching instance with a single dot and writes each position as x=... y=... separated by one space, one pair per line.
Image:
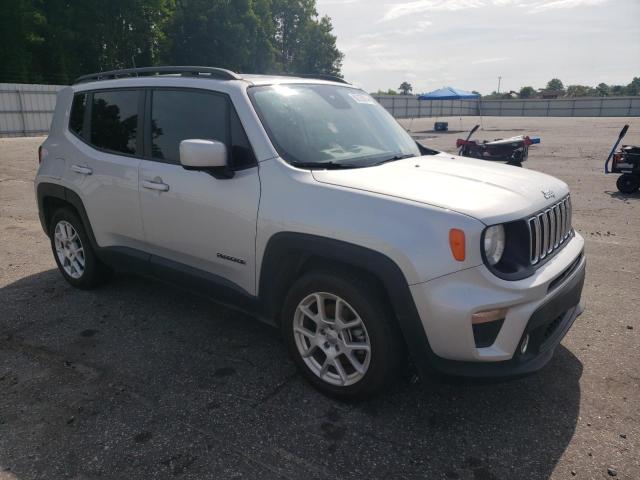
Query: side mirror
x=203 y=154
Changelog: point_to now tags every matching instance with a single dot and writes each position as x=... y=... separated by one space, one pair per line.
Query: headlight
x=494 y=244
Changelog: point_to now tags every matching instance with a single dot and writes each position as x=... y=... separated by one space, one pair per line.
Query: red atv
x=513 y=150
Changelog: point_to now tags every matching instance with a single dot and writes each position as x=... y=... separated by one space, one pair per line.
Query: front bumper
x=543 y=306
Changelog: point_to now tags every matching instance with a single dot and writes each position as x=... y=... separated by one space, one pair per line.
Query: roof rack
x=218 y=73
x=317 y=76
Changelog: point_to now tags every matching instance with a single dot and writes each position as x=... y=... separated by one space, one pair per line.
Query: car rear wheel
x=73 y=253
x=628 y=183
x=342 y=335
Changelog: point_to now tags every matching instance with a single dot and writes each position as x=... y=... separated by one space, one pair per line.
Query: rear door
x=191 y=217
x=104 y=128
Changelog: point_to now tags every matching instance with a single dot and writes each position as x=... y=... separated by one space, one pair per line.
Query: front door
x=191 y=217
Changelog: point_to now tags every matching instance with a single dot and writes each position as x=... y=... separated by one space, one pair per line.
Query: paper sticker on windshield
x=362 y=98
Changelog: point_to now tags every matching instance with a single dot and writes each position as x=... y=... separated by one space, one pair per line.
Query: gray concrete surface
x=140 y=380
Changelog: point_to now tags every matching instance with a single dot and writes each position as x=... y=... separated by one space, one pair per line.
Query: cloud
x=322 y=3
x=563 y=4
x=489 y=60
x=422 y=6
x=416 y=27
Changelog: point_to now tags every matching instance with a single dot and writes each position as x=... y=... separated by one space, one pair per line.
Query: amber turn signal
x=456 y=242
x=489 y=316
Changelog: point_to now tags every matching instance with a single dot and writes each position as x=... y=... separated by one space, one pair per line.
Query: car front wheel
x=342 y=335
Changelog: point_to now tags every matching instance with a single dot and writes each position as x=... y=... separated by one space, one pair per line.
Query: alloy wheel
x=69 y=249
x=332 y=339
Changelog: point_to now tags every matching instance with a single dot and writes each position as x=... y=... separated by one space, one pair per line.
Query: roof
x=448 y=93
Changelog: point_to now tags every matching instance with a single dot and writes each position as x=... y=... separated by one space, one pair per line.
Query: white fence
x=26 y=110
x=407 y=106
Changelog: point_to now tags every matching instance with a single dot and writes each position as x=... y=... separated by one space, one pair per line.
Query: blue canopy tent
x=450 y=93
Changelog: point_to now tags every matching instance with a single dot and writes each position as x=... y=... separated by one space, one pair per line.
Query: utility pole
x=499 y=79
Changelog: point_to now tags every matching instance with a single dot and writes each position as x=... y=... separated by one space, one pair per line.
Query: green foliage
x=527 y=92
x=493 y=96
x=405 y=88
x=555 y=84
x=54 y=41
x=19 y=36
x=580 y=91
x=634 y=87
x=602 y=90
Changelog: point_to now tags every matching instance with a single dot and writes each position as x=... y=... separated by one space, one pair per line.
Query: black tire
x=387 y=350
x=95 y=272
x=628 y=183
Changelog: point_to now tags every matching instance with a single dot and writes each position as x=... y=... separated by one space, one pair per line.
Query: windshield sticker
x=362 y=98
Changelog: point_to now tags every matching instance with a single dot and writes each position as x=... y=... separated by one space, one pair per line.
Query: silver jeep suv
x=302 y=201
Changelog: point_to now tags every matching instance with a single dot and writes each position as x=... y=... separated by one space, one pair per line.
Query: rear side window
x=76 y=119
x=181 y=115
x=114 y=120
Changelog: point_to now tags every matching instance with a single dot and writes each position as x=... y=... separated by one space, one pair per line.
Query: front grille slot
x=549 y=229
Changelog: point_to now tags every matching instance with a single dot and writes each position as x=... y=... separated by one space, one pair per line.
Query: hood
x=487 y=191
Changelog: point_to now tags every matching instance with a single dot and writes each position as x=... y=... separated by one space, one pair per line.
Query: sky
x=468 y=44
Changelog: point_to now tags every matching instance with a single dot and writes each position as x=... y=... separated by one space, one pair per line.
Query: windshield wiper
x=325 y=165
x=394 y=158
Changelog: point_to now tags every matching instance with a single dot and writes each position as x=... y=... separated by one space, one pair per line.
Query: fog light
x=525 y=344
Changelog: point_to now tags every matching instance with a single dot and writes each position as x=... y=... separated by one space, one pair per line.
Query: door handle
x=81 y=170
x=158 y=186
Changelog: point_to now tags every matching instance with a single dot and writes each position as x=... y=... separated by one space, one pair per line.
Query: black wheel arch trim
x=53 y=190
x=296 y=245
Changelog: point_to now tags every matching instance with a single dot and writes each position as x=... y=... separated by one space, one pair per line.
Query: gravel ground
x=140 y=380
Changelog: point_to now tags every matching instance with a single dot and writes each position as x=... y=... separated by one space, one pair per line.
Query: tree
x=602 y=90
x=527 y=92
x=318 y=52
x=617 y=90
x=493 y=96
x=304 y=43
x=579 y=91
x=405 y=88
x=217 y=33
x=555 y=84
x=634 y=87
x=53 y=41
x=19 y=36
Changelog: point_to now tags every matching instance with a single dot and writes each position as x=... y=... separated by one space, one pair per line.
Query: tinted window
x=76 y=119
x=114 y=120
x=241 y=152
x=181 y=115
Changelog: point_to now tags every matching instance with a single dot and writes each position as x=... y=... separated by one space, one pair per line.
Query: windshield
x=330 y=126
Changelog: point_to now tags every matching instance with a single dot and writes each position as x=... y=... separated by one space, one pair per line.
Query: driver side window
x=178 y=115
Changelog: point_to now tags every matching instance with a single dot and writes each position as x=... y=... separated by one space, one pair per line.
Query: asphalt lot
x=140 y=380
